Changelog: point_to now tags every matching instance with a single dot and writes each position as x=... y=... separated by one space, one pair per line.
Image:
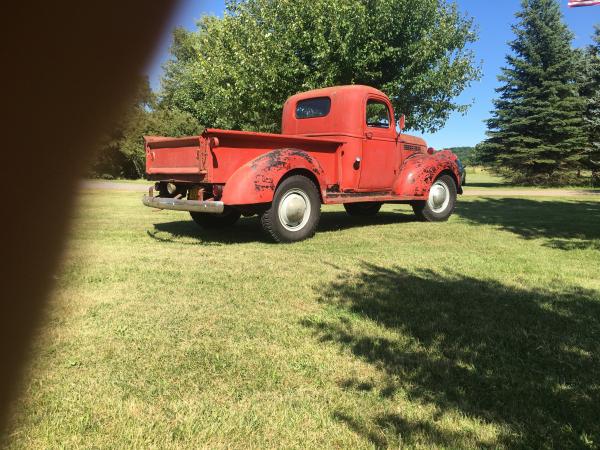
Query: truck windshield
x=313 y=107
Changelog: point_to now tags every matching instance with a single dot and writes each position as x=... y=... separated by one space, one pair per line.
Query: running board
x=357 y=197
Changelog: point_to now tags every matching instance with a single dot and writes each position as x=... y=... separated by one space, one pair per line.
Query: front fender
x=420 y=171
x=256 y=181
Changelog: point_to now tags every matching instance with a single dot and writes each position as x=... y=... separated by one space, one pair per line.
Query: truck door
x=377 y=168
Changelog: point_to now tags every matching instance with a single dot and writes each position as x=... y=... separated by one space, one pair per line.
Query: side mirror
x=402 y=122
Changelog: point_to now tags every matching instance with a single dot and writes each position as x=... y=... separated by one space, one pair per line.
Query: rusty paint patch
x=422 y=171
x=274 y=159
x=278 y=161
x=264 y=183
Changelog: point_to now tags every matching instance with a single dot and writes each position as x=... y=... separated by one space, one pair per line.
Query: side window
x=378 y=115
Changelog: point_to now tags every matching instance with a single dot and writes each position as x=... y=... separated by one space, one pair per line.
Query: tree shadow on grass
x=483 y=184
x=528 y=361
x=249 y=230
x=340 y=220
x=396 y=425
x=567 y=225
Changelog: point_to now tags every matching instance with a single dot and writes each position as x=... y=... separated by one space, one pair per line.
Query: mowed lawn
x=386 y=332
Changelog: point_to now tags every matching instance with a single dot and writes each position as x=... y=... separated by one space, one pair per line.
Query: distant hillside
x=465 y=154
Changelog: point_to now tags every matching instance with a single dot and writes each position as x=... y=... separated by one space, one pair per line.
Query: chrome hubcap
x=439 y=197
x=294 y=210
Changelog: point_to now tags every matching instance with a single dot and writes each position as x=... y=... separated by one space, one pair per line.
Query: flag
x=576 y=3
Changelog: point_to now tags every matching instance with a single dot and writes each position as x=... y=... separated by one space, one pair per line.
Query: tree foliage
x=536 y=133
x=237 y=71
x=467 y=155
x=592 y=114
x=121 y=152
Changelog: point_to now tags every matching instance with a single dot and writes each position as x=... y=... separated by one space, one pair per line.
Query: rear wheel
x=440 y=204
x=295 y=211
x=213 y=221
x=362 y=208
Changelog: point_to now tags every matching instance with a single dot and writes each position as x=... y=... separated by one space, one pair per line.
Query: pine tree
x=592 y=115
x=536 y=134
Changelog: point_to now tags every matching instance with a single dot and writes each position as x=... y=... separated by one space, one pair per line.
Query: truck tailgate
x=172 y=156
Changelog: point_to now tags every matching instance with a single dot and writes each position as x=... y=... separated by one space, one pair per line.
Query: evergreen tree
x=592 y=116
x=536 y=134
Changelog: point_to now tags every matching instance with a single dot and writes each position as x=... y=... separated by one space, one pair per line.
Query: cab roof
x=345 y=116
x=352 y=89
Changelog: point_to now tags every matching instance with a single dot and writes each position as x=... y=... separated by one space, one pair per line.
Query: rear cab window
x=313 y=107
x=378 y=114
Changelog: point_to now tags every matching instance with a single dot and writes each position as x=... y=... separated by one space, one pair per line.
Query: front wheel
x=295 y=211
x=441 y=202
x=212 y=221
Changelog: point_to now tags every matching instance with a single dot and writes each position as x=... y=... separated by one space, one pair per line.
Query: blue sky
x=493 y=19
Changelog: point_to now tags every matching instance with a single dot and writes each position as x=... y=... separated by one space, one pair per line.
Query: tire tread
x=269 y=218
x=425 y=214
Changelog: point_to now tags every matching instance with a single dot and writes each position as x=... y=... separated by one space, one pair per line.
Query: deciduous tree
x=122 y=153
x=236 y=71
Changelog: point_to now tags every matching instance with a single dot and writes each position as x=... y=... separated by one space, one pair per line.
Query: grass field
x=477 y=178
x=480 y=332
x=480 y=178
x=122 y=180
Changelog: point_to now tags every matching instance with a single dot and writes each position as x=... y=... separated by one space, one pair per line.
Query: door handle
x=369 y=135
x=356 y=164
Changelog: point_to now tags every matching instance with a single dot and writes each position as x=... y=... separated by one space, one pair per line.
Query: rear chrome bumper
x=211 y=207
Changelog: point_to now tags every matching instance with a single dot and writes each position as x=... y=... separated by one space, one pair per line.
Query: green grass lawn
x=477 y=178
x=480 y=178
x=480 y=332
x=123 y=180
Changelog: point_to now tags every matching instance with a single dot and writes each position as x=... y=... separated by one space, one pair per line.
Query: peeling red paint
x=418 y=173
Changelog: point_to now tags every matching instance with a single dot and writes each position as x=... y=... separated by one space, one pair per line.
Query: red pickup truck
x=338 y=146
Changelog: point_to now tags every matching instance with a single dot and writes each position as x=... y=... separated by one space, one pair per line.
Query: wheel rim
x=439 y=197
x=294 y=210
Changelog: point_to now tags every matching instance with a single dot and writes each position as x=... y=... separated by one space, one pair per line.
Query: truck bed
x=175 y=156
x=213 y=156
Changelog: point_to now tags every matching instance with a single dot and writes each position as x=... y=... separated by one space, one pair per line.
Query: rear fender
x=256 y=181
x=420 y=171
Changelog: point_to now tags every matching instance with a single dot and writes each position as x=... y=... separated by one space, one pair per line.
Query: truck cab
x=364 y=118
x=338 y=145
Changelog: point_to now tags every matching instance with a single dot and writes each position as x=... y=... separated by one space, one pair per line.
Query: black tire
x=426 y=211
x=296 y=188
x=363 y=208
x=215 y=221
